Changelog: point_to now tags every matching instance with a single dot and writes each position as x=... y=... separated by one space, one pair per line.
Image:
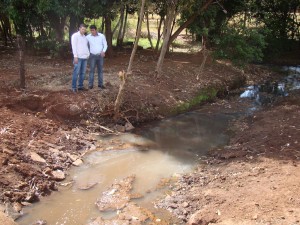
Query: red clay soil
x=45 y=129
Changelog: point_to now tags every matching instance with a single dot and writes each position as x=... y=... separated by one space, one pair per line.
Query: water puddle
x=158 y=151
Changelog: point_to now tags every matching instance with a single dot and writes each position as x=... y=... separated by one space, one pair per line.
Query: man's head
x=93 y=30
x=82 y=28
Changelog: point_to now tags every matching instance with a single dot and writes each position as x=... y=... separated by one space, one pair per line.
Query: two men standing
x=94 y=47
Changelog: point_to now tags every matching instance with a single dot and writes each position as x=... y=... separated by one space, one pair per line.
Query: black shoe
x=90 y=87
x=102 y=87
x=81 y=89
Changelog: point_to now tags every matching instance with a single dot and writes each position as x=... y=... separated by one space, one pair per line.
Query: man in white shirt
x=98 y=47
x=81 y=54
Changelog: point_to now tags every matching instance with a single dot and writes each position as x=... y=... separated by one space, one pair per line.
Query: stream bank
x=46 y=130
x=253 y=180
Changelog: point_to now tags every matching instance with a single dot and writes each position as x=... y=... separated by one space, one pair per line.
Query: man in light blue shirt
x=98 y=47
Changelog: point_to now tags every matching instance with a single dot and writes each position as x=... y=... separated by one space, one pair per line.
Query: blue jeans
x=96 y=61
x=79 y=69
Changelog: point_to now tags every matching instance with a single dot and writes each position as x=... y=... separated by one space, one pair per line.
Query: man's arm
x=74 y=41
x=104 y=42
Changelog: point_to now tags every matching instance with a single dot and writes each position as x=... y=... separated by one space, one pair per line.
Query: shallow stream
x=159 y=150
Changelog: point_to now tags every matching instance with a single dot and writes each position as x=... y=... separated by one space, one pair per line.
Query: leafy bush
x=53 y=47
x=241 y=46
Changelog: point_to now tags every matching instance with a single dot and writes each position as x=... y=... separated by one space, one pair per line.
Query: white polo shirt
x=80 y=46
x=97 y=43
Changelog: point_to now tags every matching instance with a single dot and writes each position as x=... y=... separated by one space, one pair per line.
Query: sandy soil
x=46 y=129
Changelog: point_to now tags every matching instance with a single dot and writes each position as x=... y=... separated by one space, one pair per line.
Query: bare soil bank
x=254 y=180
x=47 y=128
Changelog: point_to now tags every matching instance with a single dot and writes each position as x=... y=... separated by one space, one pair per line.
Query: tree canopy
x=266 y=24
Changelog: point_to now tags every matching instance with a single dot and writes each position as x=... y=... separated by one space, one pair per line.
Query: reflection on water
x=263 y=94
x=175 y=145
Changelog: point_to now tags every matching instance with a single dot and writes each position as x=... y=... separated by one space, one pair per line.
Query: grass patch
x=203 y=96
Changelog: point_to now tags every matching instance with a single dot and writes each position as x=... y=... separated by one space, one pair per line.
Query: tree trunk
x=159 y=33
x=205 y=54
x=20 y=43
x=171 y=13
x=125 y=25
x=108 y=34
x=123 y=75
x=3 y=32
x=119 y=38
x=116 y=27
x=139 y=28
x=148 y=29
x=189 y=21
x=73 y=26
x=102 y=24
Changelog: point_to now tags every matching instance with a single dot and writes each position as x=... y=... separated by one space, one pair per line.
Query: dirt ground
x=46 y=129
x=254 y=180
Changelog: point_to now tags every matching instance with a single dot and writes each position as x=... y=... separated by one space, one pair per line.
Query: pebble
x=78 y=162
x=58 y=175
x=36 y=157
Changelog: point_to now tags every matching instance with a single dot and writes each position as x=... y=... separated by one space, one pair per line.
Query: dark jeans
x=79 y=69
x=96 y=61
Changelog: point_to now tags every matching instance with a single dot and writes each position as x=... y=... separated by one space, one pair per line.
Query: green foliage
x=204 y=96
x=241 y=46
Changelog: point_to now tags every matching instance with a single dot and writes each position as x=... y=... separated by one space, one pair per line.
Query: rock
x=72 y=157
x=36 y=157
x=87 y=186
x=17 y=206
x=74 y=110
x=8 y=151
x=78 y=162
x=58 y=175
x=202 y=218
x=128 y=126
x=40 y=222
x=120 y=128
x=117 y=196
x=31 y=197
x=185 y=204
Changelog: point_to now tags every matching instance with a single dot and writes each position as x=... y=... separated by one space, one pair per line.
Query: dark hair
x=82 y=25
x=93 y=27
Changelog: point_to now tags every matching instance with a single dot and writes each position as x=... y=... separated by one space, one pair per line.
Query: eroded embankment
x=45 y=132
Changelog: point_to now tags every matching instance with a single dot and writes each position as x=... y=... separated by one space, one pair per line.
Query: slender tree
x=171 y=14
x=123 y=75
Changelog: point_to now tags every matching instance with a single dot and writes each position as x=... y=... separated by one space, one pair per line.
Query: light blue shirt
x=97 y=43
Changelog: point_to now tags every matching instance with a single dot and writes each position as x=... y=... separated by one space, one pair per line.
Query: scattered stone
x=117 y=196
x=8 y=151
x=31 y=197
x=26 y=203
x=58 y=175
x=72 y=157
x=128 y=126
x=87 y=186
x=74 y=110
x=40 y=222
x=17 y=206
x=185 y=204
x=36 y=157
x=78 y=162
x=120 y=128
x=202 y=218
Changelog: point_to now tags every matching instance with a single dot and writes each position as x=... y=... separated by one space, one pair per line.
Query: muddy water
x=160 y=150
